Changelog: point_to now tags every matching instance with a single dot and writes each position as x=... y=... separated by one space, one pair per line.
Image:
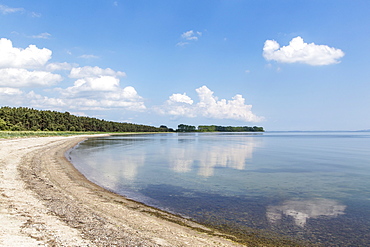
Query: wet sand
x=45 y=201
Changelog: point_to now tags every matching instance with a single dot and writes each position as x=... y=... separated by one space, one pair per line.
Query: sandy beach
x=45 y=201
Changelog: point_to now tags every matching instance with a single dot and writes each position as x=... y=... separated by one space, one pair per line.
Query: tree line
x=29 y=119
x=23 y=119
x=215 y=128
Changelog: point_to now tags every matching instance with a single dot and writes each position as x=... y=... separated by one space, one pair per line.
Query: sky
x=280 y=64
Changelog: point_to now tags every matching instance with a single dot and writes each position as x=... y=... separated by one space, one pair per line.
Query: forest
x=215 y=128
x=28 y=119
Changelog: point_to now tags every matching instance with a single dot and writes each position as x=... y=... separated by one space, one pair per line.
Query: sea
x=310 y=188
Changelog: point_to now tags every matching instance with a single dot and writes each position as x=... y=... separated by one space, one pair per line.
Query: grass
x=22 y=134
x=4 y=134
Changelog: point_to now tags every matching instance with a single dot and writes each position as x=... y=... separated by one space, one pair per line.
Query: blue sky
x=283 y=65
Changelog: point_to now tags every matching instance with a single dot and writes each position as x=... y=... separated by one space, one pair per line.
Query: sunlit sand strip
x=25 y=221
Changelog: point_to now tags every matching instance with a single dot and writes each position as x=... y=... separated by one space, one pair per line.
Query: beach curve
x=45 y=201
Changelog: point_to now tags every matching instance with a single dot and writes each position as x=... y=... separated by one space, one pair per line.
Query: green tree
x=22 y=118
x=3 y=125
x=185 y=128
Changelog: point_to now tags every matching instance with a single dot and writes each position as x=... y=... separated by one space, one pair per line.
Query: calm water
x=311 y=186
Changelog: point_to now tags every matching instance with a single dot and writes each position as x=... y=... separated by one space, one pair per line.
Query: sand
x=45 y=201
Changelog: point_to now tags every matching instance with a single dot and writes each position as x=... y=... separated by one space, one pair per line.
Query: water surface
x=309 y=186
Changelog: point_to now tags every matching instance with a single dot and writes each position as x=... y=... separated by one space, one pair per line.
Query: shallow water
x=309 y=186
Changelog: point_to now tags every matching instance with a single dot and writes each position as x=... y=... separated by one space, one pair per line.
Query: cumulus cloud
x=15 y=77
x=59 y=66
x=300 y=52
x=41 y=101
x=94 y=88
x=180 y=98
x=16 y=97
x=31 y=57
x=209 y=106
x=126 y=98
x=102 y=83
x=15 y=65
x=98 y=88
x=8 y=91
x=89 y=71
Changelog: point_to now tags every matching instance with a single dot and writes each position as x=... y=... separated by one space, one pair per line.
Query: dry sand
x=45 y=201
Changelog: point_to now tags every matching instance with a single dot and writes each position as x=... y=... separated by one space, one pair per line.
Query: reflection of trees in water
x=301 y=211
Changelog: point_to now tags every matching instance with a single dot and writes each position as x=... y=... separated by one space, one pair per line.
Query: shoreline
x=46 y=201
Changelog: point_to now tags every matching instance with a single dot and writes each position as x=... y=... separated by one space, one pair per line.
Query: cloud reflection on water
x=301 y=211
x=232 y=156
x=109 y=170
x=113 y=162
x=130 y=166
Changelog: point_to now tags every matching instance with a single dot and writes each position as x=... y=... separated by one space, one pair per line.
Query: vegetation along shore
x=28 y=119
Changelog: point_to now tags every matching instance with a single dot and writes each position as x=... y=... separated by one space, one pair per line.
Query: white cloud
x=31 y=57
x=16 y=62
x=93 y=79
x=97 y=88
x=88 y=56
x=34 y=14
x=209 y=106
x=42 y=36
x=180 y=98
x=191 y=35
x=14 y=77
x=8 y=91
x=299 y=52
x=8 y=10
x=59 y=66
x=126 y=98
x=188 y=37
x=94 y=88
x=36 y=100
x=182 y=43
x=236 y=108
x=89 y=71
x=12 y=97
x=103 y=83
x=178 y=105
